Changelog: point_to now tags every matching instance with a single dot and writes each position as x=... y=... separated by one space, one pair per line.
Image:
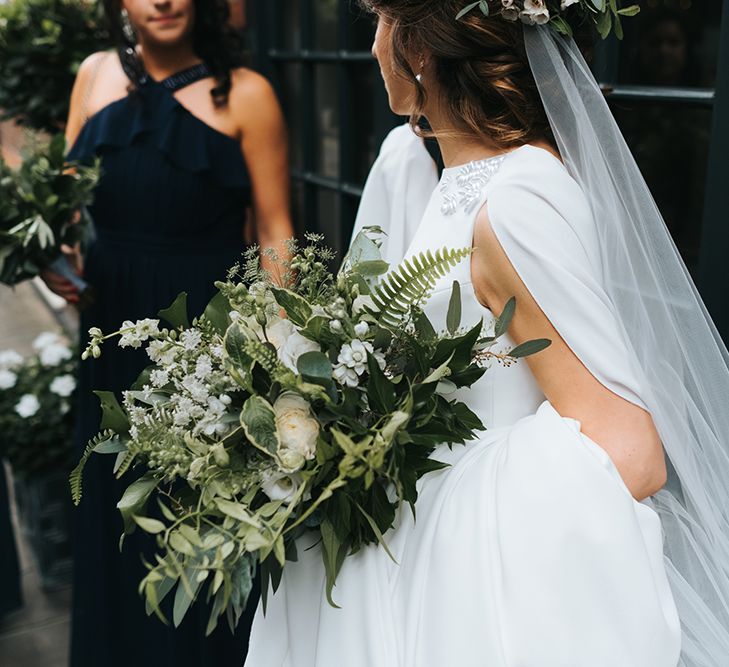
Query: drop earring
x=127 y=28
x=419 y=75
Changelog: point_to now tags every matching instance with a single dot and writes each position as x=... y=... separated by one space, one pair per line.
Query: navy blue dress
x=169 y=216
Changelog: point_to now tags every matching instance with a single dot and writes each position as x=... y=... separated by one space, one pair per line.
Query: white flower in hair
x=509 y=10
x=535 y=12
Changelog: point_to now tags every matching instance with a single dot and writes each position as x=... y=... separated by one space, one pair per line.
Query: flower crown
x=605 y=14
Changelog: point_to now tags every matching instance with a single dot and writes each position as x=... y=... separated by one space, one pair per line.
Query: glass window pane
x=361 y=30
x=671 y=145
x=327 y=115
x=290 y=77
x=672 y=43
x=325 y=25
x=287 y=21
x=328 y=218
x=364 y=77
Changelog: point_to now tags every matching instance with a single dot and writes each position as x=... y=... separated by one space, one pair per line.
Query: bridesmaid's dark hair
x=214 y=40
x=480 y=63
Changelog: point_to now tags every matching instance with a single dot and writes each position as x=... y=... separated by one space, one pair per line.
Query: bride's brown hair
x=480 y=64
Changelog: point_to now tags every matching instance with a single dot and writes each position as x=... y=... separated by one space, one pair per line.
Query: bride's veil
x=684 y=364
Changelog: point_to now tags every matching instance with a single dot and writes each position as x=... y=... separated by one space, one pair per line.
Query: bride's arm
x=625 y=430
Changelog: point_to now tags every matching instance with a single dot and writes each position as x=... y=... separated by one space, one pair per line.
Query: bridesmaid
x=189 y=142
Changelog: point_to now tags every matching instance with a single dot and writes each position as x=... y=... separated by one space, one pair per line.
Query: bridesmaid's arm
x=264 y=144
x=624 y=430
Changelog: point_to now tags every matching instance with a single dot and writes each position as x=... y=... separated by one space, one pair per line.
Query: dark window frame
x=714 y=248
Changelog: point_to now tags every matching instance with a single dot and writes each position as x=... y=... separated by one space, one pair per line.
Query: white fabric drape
x=682 y=363
x=398 y=189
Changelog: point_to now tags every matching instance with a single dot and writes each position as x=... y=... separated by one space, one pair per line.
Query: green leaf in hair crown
x=604 y=14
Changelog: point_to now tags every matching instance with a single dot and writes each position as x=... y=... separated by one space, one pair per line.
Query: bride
x=588 y=526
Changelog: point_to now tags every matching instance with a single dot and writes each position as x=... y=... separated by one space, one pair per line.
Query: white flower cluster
x=190 y=382
x=531 y=12
x=52 y=350
x=136 y=333
x=9 y=362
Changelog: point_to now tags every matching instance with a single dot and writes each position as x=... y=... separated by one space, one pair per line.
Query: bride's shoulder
x=534 y=188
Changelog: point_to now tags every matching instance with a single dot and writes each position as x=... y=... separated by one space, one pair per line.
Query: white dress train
x=528 y=551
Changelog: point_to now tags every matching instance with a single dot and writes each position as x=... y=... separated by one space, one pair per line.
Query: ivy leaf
x=134 y=499
x=113 y=417
x=239 y=362
x=176 y=314
x=259 y=423
x=380 y=390
x=315 y=367
x=453 y=319
x=216 y=312
x=296 y=307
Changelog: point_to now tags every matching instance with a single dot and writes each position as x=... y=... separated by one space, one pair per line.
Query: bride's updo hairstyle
x=480 y=64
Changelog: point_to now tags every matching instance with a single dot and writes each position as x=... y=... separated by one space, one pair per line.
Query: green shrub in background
x=42 y=45
x=36 y=407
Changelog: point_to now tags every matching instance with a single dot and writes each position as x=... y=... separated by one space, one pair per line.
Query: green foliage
x=411 y=283
x=39 y=206
x=42 y=45
x=605 y=15
x=314 y=407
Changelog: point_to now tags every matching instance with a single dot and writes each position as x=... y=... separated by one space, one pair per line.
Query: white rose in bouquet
x=297 y=428
x=289 y=343
x=280 y=486
x=27 y=406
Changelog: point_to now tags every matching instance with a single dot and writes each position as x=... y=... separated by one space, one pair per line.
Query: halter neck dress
x=168 y=214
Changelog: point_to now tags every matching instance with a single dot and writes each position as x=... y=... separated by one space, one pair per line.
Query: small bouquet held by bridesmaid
x=283 y=410
x=41 y=209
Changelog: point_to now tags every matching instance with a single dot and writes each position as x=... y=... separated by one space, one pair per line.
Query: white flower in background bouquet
x=281 y=410
x=36 y=401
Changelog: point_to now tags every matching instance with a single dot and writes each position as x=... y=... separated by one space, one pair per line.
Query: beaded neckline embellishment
x=465 y=187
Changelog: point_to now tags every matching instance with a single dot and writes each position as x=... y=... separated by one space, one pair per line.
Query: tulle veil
x=682 y=361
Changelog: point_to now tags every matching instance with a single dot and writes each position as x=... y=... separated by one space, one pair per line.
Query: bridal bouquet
x=36 y=399
x=39 y=208
x=281 y=410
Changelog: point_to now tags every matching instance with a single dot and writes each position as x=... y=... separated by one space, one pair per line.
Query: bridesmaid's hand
x=60 y=285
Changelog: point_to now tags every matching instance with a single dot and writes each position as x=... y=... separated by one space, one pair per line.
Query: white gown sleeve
x=545 y=227
x=397 y=191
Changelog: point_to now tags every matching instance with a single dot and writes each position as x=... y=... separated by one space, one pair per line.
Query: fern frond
x=125 y=463
x=75 y=477
x=412 y=282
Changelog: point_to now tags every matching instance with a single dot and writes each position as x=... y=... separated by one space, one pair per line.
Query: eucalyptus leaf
x=453 y=318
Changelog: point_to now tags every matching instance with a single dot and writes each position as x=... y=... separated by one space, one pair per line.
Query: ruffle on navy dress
x=169 y=214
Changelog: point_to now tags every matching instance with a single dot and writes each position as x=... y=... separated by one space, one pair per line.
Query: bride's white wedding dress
x=528 y=551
